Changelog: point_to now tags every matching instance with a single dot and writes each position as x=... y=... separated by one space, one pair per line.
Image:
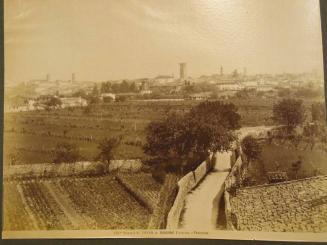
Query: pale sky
x=115 y=39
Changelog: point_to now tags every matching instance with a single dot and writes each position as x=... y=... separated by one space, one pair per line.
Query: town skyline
x=50 y=78
x=129 y=40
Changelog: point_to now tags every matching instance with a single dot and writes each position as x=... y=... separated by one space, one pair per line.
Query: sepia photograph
x=164 y=119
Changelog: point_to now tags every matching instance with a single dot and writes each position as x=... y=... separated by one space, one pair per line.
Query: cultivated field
x=31 y=136
x=77 y=203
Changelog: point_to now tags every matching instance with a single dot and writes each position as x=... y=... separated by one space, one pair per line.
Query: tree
x=307 y=93
x=252 y=151
x=183 y=141
x=121 y=98
x=95 y=91
x=296 y=166
x=251 y=148
x=65 y=153
x=80 y=93
x=49 y=102
x=243 y=94
x=106 y=147
x=14 y=158
x=289 y=112
x=94 y=100
x=318 y=112
x=284 y=92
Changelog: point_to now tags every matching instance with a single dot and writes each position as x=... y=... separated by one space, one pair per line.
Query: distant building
x=163 y=79
x=265 y=88
x=229 y=85
x=31 y=105
x=106 y=97
x=250 y=84
x=182 y=71
x=144 y=85
x=148 y=91
x=296 y=83
x=200 y=96
x=73 y=102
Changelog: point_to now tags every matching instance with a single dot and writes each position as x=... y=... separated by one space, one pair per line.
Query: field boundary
x=139 y=198
x=48 y=170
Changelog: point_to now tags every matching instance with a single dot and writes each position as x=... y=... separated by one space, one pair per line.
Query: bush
x=106 y=147
x=159 y=174
x=289 y=112
x=251 y=148
x=65 y=152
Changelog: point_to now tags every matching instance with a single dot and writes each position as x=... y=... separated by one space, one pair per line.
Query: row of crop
x=142 y=186
x=62 y=123
x=101 y=203
x=91 y=118
x=30 y=149
x=16 y=217
x=44 y=207
x=52 y=134
x=104 y=202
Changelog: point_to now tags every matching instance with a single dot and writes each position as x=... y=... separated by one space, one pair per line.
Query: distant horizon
x=153 y=77
x=129 y=39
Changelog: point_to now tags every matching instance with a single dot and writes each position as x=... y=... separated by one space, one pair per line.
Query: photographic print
x=164 y=119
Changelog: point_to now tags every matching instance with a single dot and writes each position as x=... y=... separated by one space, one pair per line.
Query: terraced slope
x=71 y=203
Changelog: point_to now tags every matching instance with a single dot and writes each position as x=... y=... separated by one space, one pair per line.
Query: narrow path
x=201 y=205
x=65 y=205
x=61 y=200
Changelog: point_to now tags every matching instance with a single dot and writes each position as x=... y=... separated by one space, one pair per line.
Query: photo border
x=261 y=239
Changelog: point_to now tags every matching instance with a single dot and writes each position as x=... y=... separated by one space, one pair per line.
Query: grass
x=280 y=158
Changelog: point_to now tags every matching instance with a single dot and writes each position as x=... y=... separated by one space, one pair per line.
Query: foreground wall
x=69 y=169
x=185 y=185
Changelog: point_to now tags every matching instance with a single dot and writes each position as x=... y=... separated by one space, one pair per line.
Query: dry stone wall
x=69 y=169
x=231 y=180
x=130 y=165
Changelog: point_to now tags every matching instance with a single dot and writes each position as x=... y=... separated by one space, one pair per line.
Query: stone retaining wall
x=68 y=169
x=130 y=165
x=230 y=187
x=185 y=185
x=228 y=212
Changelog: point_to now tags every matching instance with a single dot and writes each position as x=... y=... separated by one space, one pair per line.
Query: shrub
x=289 y=112
x=251 y=148
x=65 y=152
x=159 y=174
x=106 y=147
